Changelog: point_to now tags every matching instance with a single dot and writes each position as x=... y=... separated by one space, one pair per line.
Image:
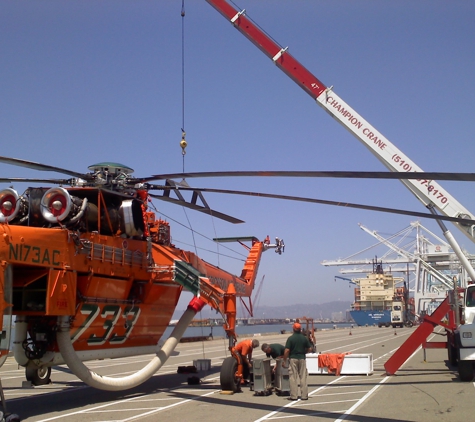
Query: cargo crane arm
x=444 y=279
x=430 y=193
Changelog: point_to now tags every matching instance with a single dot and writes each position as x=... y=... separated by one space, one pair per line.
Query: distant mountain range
x=314 y=310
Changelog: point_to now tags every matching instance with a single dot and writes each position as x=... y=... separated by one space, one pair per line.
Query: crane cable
x=183 y=142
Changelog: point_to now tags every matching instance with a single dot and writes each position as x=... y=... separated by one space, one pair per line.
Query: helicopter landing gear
x=38 y=376
x=228 y=379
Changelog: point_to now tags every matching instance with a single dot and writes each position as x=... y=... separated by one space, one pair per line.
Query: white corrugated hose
x=117 y=384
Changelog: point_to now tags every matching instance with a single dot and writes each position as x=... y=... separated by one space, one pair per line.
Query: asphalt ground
x=422 y=390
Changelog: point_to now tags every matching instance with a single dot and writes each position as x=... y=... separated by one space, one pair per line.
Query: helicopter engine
x=124 y=215
x=13 y=208
x=72 y=208
x=57 y=205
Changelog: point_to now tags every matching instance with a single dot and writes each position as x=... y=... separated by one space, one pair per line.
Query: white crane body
x=427 y=191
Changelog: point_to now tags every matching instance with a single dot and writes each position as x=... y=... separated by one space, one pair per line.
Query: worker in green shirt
x=296 y=347
x=273 y=350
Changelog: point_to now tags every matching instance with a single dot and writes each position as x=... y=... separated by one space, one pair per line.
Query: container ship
x=374 y=297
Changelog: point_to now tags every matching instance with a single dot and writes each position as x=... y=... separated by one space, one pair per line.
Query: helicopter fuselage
x=104 y=261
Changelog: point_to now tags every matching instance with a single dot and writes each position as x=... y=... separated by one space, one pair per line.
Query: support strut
x=417 y=338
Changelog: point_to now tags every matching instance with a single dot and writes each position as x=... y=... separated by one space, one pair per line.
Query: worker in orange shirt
x=243 y=351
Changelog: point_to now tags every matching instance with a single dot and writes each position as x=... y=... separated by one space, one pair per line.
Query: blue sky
x=83 y=82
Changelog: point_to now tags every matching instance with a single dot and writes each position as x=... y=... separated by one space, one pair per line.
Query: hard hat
x=296 y=327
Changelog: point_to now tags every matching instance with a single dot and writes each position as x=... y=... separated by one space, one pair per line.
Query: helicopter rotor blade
x=41 y=167
x=326 y=202
x=461 y=177
x=29 y=180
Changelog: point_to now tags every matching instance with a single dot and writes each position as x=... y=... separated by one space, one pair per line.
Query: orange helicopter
x=89 y=272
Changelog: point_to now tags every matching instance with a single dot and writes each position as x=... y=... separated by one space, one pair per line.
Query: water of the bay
x=241 y=330
x=250 y=330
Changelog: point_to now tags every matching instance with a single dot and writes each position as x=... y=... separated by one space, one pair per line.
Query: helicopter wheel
x=227 y=377
x=38 y=376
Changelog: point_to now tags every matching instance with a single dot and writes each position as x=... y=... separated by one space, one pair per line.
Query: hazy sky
x=90 y=81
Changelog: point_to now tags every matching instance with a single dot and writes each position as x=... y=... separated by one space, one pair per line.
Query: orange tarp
x=332 y=361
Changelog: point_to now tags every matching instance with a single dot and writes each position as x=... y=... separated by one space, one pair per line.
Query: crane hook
x=183 y=142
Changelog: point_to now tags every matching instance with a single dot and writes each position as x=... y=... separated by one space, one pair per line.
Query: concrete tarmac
x=422 y=390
